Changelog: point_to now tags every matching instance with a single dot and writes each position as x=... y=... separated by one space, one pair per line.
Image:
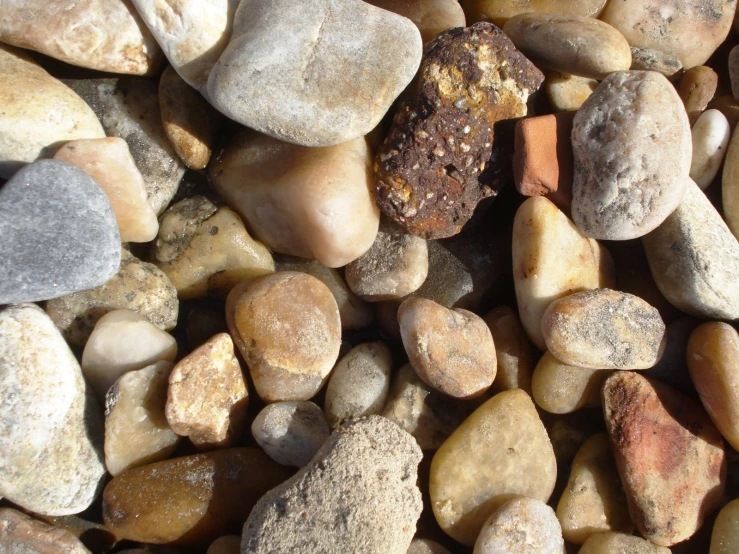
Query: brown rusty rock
x=429 y=170
x=670 y=456
x=696 y=89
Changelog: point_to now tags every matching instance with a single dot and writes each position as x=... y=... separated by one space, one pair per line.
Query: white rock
x=711 y=133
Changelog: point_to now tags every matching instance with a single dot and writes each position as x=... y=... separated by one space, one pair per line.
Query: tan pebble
x=227 y=544
x=568 y=92
x=610 y=542
x=648 y=59
x=513 y=350
x=425 y=546
x=22 y=534
x=730 y=185
x=430 y=16
x=499 y=11
x=725 y=535
x=500 y=451
x=711 y=133
x=561 y=388
x=696 y=89
x=451 y=350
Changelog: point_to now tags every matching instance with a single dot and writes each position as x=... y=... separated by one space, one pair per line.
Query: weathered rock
x=138 y=286
x=571 y=44
x=696 y=89
x=629 y=177
x=501 y=450
x=648 y=59
x=51 y=429
x=425 y=546
x=429 y=171
x=561 y=388
x=724 y=538
x=46 y=253
x=669 y=455
x=430 y=16
x=610 y=542
x=227 y=544
x=730 y=185
x=364 y=476
x=694 y=259
x=711 y=134
x=499 y=11
x=24 y=535
x=513 y=350
x=568 y=92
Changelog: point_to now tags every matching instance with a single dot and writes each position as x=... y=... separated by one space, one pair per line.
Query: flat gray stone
x=59 y=233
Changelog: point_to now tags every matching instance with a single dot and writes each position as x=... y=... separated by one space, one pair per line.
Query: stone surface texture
x=22 y=534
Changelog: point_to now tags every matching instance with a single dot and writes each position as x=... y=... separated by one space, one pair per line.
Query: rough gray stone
x=59 y=233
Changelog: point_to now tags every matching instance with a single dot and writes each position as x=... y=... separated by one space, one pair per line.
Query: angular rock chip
x=24 y=535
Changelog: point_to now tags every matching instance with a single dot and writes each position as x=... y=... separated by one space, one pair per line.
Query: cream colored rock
x=513 y=349
x=425 y=546
x=123 y=341
x=560 y=388
x=499 y=11
x=38 y=110
x=593 y=501
x=568 y=92
x=430 y=16
x=730 y=185
x=725 y=535
x=22 y=534
x=501 y=450
x=207 y=397
x=205 y=250
x=610 y=542
x=106 y=35
x=551 y=259
x=711 y=134
x=136 y=430
x=307 y=202
x=227 y=544
x=110 y=163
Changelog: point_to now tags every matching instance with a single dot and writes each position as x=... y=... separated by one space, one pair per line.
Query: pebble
x=568 y=92
x=429 y=172
x=734 y=72
x=713 y=361
x=604 y=329
x=572 y=44
x=690 y=30
x=669 y=455
x=629 y=177
x=105 y=35
x=211 y=494
x=123 y=341
x=610 y=542
x=364 y=477
x=499 y=451
x=205 y=250
x=430 y=16
x=711 y=133
x=269 y=183
x=694 y=259
x=51 y=431
x=291 y=432
x=138 y=286
x=561 y=388
x=451 y=350
x=288 y=330
x=724 y=538
x=227 y=544
x=24 y=535
x=551 y=259
x=46 y=253
x=499 y=11
x=521 y=526
x=38 y=111
x=136 y=430
x=359 y=383
x=726 y=104
x=396 y=265
x=648 y=59
x=593 y=501
x=513 y=350
x=109 y=162
x=425 y=546
x=696 y=89
x=730 y=185
x=208 y=396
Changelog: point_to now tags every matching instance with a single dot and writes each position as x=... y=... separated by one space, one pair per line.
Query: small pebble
x=610 y=542
x=696 y=89
x=499 y=11
x=648 y=59
x=711 y=134
x=425 y=546
x=430 y=16
x=513 y=350
x=23 y=535
x=227 y=544
x=568 y=92
x=561 y=388
x=725 y=535
x=734 y=72
x=730 y=185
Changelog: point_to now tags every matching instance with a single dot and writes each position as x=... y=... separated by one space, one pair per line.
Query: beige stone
x=136 y=430
x=24 y=535
x=648 y=59
x=270 y=183
x=610 y=542
x=551 y=259
x=499 y=11
x=205 y=250
x=208 y=396
x=430 y=16
x=730 y=185
x=561 y=388
x=425 y=546
x=110 y=163
x=513 y=350
x=696 y=89
x=711 y=133
x=725 y=535
x=38 y=110
x=502 y=450
x=227 y=544
x=568 y=92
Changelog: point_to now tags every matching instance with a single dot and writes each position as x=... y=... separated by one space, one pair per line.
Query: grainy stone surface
x=20 y=534
x=499 y=11
x=711 y=134
x=648 y=59
x=561 y=388
x=610 y=542
x=730 y=185
x=568 y=92
x=227 y=544
x=430 y=16
x=696 y=89
x=724 y=538
x=513 y=350
x=425 y=546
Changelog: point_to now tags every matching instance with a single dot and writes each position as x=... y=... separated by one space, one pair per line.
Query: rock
x=593 y=501
x=672 y=369
x=696 y=89
x=24 y=535
x=694 y=259
x=501 y=450
x=724 y=538
x=45 y=252
x=227 y=544
x=430 y=16
x=730 y=185
x=568 y=92
x=105 y=35
x=109 y=162
x=335 y=74
x=499 y=11
x=51 y=429
x=123 y=341
x=291 y=432
x=659 y=436
x=734 y=72
x=364 y=476
x=561 y=388
x=551 y=259
x=136 y=430
x=629 y=177
x=429 y=171
x=212 y=494
x=288 y=330
x=726 y=104
x=425 y=546
x=572 y=44
x=205 y=250
x=607 y=543
x=605 y=329
x=520 y=526
x=451 y=350
x=138 y=286
x=711 y=134
x=269 y=183
x=207 y=396
x=38 y=111
x=513 y=350
x=648 y=59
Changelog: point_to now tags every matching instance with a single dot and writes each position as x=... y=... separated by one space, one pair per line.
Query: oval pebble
x=561 y=388
x=725 y=535
x=730 y=185
x=711 y=135
x=609 y=543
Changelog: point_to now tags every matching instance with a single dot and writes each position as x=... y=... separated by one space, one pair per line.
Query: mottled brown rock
x=20 y=534
x=513 y=349
x=670 y=456
x=696 y=89
x=648 y=59
x=428 y=171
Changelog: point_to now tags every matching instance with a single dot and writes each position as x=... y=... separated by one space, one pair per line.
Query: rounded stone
x=560 y=388
x=711 y=133
x=696 y=89
x=725 y=538
x=610 y=542
x=513 y=350
x=499 y=11
x=227 y=544
x=425 y=546
x=22 y=534
x=568 y=92
x=430 y=16
x=648 y=59
x=730 y=185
